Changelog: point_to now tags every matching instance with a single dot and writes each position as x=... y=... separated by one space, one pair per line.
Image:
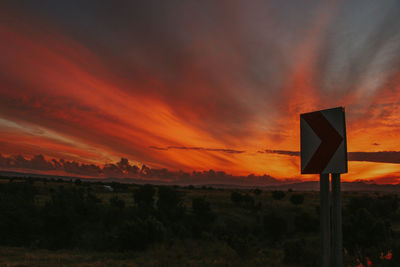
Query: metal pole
x=325 y=220
x=337 y=249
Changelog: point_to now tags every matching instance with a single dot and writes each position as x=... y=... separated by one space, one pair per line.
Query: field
x=75 y=223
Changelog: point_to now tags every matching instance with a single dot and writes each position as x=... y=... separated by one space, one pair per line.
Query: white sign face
x=323 y=146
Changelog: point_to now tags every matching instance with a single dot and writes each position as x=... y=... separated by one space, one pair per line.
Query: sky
x=197 y=85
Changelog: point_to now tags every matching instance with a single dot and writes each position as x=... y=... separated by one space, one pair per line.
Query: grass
x=182 y=253
x=205 y=251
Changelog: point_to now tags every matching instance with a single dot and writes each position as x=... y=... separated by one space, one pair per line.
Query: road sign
x=323 y=142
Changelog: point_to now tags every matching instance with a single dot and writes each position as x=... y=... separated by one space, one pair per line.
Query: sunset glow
x=193 y=88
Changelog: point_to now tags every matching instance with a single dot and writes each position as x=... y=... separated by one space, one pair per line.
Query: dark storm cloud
x=230 y=151
x=123 y=169
x=281 y=152
x=381 y=156
x=360 y=40
x=158 y=148
x=38 y=162
x=390 y=179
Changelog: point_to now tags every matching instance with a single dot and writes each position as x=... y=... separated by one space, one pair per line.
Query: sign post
x=324 y=151
x=325 y=220
x=337 y=221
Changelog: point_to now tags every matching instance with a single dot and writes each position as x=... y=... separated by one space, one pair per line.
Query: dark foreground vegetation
x=122 y=224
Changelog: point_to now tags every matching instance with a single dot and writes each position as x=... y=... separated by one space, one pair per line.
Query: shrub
x=362 y=230
x=249 y=200
x=202 y=210
x=239 y=245
x=383 y=206
x=275 y=226
x=236 y=197
x=200 y=206
x=18 y=213
x=170 y=204
x=116 y=202
x=139 y=234
x=278 y=195
x=257 y=192
x=144 y=196
x=304 y=222
x=297 y=199
x=299 y=253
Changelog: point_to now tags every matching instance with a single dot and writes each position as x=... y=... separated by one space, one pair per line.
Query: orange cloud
x=200 y=101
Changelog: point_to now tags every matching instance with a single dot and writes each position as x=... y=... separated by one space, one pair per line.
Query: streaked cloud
x=230 y=151
x=198 y=85
x=281 y=152
x=379 y=156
